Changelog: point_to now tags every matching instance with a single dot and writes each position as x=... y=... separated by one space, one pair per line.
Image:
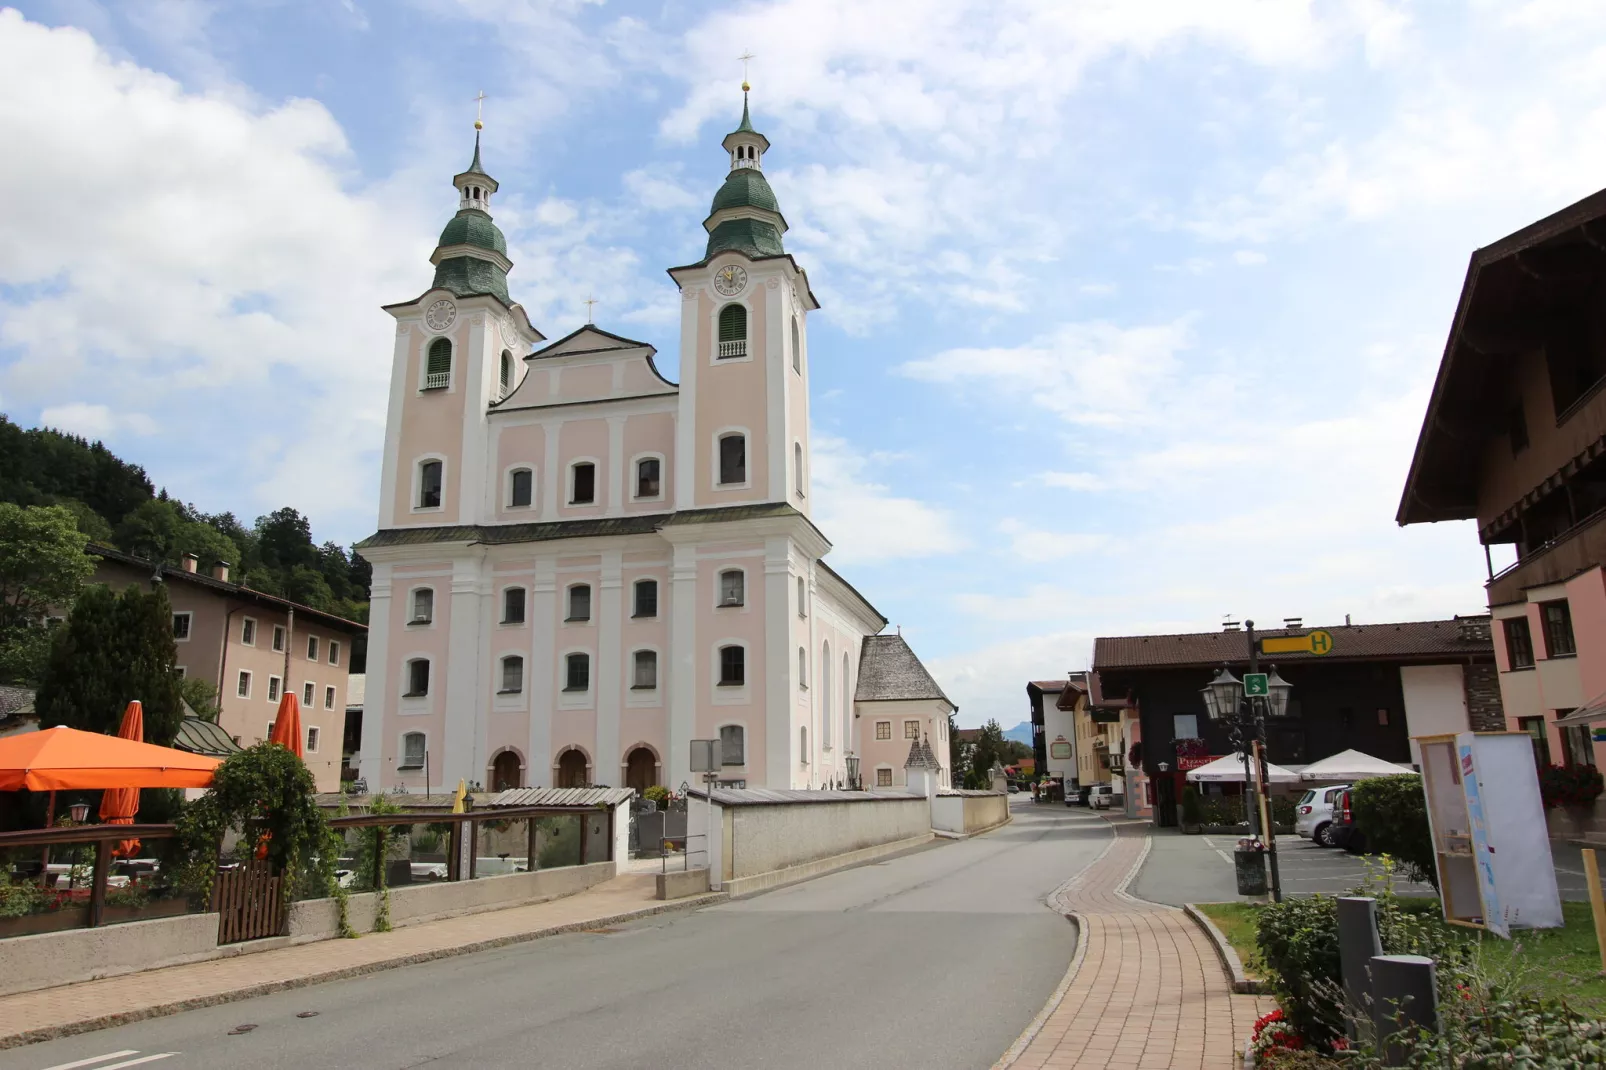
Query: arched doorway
x=572 y=769
x=641 y=769
x=506 y=772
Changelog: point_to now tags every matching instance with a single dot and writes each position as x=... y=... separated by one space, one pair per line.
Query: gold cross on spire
x=591 y=304
x=744 y=57
x=479 y=111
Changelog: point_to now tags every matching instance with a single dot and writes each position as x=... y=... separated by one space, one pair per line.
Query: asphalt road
x=1198 y=869
x=937 y=958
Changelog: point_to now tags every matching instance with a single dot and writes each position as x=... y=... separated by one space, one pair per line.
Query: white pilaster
x=778 y=671
x=551 y=477
x=777 y=434
x=390 y=463
x=379 y=684
x=686 y=425
x=543 y=679
x=684 y=647
x=616 y=460
x=465 y=696
x=610 y=674
x=475 y=395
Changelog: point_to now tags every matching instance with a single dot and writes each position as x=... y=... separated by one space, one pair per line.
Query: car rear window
x=1308 y=797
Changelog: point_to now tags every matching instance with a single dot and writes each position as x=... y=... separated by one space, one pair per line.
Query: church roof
x=473 y=227
x=502 y=534
x=889 y=671
x=754 y=237
x=745 y=187
x=468 y=275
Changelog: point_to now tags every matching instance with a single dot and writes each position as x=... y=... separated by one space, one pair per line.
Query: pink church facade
x=580 y=566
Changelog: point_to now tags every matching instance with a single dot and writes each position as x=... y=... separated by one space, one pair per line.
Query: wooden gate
x=249 y=902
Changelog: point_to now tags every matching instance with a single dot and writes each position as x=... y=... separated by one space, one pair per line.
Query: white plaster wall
x=948 y=813
x=765 y=838
x=1435 y=702
x=46 y=959
x=1058 y=722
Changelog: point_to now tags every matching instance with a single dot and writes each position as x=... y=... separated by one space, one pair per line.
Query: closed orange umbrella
x=287 y=726
x=118 y=806
x=287 y=733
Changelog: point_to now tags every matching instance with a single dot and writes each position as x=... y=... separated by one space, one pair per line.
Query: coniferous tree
x=114 y=648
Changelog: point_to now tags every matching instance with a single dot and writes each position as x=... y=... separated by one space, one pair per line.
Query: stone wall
x=1484 y=709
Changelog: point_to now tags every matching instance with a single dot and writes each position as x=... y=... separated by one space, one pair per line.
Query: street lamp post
x=1245 y=715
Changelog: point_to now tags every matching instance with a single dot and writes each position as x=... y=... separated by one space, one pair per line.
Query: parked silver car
x=1313 y=814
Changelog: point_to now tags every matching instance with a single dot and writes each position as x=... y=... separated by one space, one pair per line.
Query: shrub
x=657 y=793
x=1298 y=941
x=1480 y=1029
x=1392 y=812
x=1574 y=785
x=1192 y=810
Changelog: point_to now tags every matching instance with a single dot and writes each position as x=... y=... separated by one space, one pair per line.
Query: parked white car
x=1313 y=814
x=1102 y=797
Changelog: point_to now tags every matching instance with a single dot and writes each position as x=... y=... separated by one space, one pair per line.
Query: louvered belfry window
x=438 y=369
x=733 y=331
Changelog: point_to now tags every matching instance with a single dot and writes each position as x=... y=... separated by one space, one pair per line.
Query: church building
x=581 y=566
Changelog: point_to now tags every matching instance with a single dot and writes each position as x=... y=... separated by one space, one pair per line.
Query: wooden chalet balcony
x=1580 y=547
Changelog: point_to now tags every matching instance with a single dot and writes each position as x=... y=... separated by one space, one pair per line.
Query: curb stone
x=1241 y=982
x=108 y=1021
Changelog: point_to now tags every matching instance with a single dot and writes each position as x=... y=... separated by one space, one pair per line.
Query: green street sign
x=1255 y=684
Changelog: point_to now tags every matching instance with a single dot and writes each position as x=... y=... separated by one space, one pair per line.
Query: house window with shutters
x=438 y=366
x=732 y=331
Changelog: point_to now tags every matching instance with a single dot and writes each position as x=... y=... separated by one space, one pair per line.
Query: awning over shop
x=1230 y=770
x=1592 y=713
x=1351 y=765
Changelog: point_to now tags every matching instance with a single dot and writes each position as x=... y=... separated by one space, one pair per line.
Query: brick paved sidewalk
x=1147 y=991
x=33 y=1016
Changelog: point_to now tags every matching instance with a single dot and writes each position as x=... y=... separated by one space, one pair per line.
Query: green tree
x=162 y=530
x=114 y=648
x=199 y=694
x=1392 y=812
x=989 y=751
x=42 y=565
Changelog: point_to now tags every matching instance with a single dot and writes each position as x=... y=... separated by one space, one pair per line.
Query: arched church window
x=733 y=331
x=797 y=349
x=733 y=458
x=507 y=370
x=797 y=466
x=438 y=368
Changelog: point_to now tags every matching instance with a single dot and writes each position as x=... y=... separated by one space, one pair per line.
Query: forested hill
x=116 y=503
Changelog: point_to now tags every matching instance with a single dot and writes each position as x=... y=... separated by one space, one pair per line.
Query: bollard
x=1404 y=999
x=1358 y=944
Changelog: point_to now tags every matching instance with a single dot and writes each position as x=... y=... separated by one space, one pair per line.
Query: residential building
x=1379 y=685
x=1053 y=713
x=896 y=704
x=252 y=646
x=1097 y=732
x=1515 y=440
x=582 y=567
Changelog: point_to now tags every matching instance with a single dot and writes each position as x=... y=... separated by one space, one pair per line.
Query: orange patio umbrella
x=118 y=806
x=65 y=759
x=287 y=725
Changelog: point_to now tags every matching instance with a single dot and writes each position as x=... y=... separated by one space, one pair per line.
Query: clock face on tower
x=730 y=279
x=440 y=314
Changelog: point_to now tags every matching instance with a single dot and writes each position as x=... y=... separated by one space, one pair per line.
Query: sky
x=1130 y=310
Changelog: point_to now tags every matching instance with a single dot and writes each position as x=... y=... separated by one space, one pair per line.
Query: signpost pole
x=1257 y=712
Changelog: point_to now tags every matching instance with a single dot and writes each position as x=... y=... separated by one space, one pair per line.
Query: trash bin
x=1251 y=867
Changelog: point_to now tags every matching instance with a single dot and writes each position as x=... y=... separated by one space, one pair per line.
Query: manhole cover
x=246 y=1028
x=307 y=1014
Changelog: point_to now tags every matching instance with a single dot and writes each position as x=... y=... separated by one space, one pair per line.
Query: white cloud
x=1029 y=544
x=95 y=421
x=1248 y=258
x=1071 y=480
x=1088 y=373
x=865 y=521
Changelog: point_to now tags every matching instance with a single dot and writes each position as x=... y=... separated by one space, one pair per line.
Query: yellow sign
x=1317 y=642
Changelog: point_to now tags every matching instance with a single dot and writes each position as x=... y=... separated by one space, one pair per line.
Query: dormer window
x=732 y=332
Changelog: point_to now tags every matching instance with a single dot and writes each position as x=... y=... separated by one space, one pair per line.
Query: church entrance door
x=641 y=768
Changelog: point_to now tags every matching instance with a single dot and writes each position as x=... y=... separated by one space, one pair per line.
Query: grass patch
x=1557 y=963
x=1237 y=923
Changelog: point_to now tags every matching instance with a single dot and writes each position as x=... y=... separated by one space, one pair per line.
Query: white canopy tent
x=1351 y=765
x=1230 y=770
